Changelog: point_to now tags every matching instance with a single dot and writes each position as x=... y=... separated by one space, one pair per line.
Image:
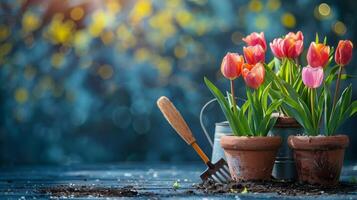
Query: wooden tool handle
x=176 y=120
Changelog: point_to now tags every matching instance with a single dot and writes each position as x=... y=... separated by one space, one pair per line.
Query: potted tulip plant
x=285 y=64
x=250 y=152
x=319 y=155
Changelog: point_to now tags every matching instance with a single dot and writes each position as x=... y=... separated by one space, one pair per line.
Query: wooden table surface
x=157 y=179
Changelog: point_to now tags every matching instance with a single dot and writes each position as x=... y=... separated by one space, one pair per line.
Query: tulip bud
x=256 y=39
x=275 y=47
x=254 y=76
x=312 y=77
x=254 y=54
x=343 y=53
x=231 y=66
x=318 y=55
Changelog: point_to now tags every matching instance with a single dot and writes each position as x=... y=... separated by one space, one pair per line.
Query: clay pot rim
x=320 y=142
x=257 y=143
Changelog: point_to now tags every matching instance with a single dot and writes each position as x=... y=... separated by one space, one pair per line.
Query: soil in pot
x=250 y=158
x=319 y=159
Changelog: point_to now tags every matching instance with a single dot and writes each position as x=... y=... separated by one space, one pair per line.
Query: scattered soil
x=279 y=187
x=81 y=191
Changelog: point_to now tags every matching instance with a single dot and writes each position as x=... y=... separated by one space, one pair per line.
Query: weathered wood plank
x=25 y=182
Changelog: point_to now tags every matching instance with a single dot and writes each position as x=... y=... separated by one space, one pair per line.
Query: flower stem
x=233 y=96
x=312 y=107
x=337 y=87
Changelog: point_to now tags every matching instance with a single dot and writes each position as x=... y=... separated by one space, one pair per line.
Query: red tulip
x=254 y=76
x=312 y=77
x=343 y=53
x=256 y=39
x=318 y=55
x=231 y=66
x=292 y=48
x=254 y=54
x=276 y=48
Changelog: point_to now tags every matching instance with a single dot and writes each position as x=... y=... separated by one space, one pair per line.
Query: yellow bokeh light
x=339 y=28
x=105 y=72
x=125 y=36
x=5 y=49
x=30 y=22
x=142 y=54
x=273 y=5
x=81 y=41
x=180 y=52
x=261 y=22
x=142 y=9
x=100 y=20
x=324 y=9
x=4 y=32
x=163 y=65
x=21 y=95
x=113 y=6
x=59 y=31
x=77 y=13
x=184 y=18
x=255 y=5
x=288 y=20
x=57 y=60
x=107 y=37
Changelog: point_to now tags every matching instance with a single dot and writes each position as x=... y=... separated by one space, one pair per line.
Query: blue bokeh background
x=80 y=78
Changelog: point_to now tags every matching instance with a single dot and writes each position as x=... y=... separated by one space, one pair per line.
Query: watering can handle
x=201 y=119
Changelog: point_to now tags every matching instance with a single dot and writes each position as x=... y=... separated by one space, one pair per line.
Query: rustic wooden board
x=26 y=182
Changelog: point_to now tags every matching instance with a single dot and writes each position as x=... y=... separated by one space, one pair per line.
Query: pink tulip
x=276 y=48
x=295 y=36
x=256 y=39
x=343 y=53
x=231 y=66
x=318 y=55
x=312 y=76
x=291 y=46
x=253 y=75
x=254 y=54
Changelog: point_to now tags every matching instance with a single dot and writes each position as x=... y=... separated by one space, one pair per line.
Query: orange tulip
x=254 y=54
x=231 y=66
x=254 y=76
x=343 y=53
x=318 y=55
x=256 y=39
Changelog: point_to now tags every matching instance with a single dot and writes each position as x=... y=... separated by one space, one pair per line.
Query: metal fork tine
x=226 y=169
x=217 y=178
x=226 y=177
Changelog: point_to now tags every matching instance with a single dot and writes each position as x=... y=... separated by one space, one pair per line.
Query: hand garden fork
x=217 y=172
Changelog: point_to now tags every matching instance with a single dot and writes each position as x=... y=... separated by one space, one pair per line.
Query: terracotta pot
x=250 y=158
x=319 y=159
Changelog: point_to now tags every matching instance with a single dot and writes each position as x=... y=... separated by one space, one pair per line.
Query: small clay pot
x=250 y=158
x=319 y=159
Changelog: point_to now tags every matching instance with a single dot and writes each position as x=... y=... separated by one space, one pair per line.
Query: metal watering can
x=284 y=166
x=221 y=129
